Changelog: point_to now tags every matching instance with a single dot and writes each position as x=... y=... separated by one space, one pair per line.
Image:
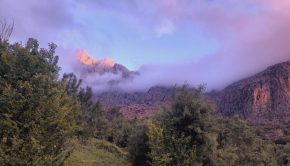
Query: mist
x=252 y=35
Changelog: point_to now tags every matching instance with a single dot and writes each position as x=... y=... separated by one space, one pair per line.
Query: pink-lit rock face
x=107 y=62
x=84 y=57
x=261 y=97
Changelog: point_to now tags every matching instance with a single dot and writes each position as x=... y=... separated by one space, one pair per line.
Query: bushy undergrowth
x=96 y=152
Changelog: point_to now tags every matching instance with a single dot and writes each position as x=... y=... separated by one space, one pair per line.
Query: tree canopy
x=36 y=113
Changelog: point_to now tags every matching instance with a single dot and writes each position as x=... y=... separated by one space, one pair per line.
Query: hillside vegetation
x=48 y=119
x=96 y=152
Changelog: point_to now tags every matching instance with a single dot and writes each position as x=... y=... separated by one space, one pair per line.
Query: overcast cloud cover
x=169 y=41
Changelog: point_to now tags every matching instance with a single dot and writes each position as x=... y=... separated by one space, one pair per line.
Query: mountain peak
x=86 y=59
x=101 y=74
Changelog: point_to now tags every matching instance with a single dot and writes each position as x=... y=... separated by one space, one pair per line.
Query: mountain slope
x=136 y=104
x=261 y=99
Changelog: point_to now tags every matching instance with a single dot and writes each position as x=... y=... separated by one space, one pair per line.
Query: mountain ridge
x=262 y=98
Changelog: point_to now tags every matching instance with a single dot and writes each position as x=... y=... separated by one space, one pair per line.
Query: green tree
x=237 y=144
x=138 y=146
x=37 y=116
x=184 y=126
x=92 y=121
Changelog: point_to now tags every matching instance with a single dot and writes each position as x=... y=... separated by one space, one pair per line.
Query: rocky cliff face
x=261 y=99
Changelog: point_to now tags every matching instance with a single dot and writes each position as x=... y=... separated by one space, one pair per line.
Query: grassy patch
x=96 y=152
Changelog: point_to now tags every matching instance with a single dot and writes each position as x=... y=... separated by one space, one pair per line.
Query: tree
x=91 y=121
x=37 y=116
x=139 y=146
x=237 y=144
x=184 y=126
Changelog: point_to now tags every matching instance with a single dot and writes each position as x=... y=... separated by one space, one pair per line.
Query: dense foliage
x=93 y=121
x=187 y=134
x=36 y=114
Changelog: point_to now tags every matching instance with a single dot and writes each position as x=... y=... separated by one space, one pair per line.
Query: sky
x=215 y=42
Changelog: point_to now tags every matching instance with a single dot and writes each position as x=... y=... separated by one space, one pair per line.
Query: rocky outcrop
x=101 y=72
x=100 y=69
x=261 y=99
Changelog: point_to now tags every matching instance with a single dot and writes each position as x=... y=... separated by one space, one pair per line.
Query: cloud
x=250 y=39
x=166 y=28
x=250 y=34
x=101 y=83
x=44 y=20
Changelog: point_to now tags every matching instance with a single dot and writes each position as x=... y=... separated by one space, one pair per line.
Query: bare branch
x=5 y=30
